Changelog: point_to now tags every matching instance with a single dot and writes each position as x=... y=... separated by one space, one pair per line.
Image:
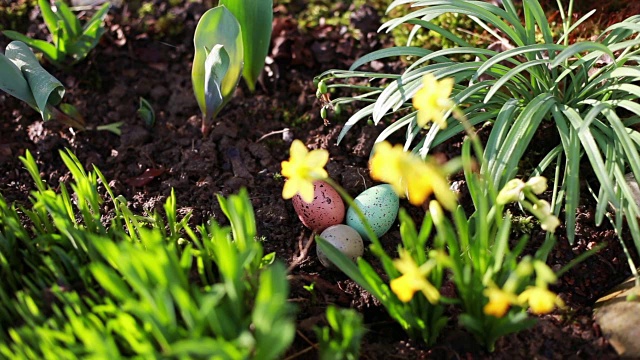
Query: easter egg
x=325 y=210
x=343 y=238
x=379 y=205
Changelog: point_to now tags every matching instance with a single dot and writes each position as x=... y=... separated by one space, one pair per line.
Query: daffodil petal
x=290 y=188
x=403 y=288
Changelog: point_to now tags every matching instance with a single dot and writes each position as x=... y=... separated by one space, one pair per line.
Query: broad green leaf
x=146 y=112
x=217 y=26
x=91 y=34
x=45 y=88
x=255 y=18
x=49 y=51
x=13 y=82
x=216 y=66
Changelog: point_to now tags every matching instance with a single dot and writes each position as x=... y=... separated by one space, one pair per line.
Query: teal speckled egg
x=379 y=204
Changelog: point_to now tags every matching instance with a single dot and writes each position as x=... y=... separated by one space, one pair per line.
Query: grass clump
x=78 y=283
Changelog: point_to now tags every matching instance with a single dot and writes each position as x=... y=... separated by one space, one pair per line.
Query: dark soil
x=143 y=57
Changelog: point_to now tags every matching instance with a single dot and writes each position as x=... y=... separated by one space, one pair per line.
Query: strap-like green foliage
x=255 y=18
x=79 y=283
x=537 y=79
x=217 y=26
x=341 y=339
x=22 y=76
x=71 y=41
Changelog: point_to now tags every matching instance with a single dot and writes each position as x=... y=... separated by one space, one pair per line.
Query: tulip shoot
x=218 y=61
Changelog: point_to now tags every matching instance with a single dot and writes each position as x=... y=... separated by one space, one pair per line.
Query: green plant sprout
x=72 y=42
x=230 y=40
x=78 y=283
x=341 y=339
x=218 y=62
x=146 y=112
x=541 y=80
x=22 y=77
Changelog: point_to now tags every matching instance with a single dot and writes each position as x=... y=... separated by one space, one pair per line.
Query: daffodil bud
x=436 y=212
x=511 y=192
x=537 y=184
x=322 y=87
x=544 y=274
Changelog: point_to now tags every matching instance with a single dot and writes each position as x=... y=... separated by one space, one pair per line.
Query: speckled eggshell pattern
x=325 y=210
x=380 y=205
x=343 y=238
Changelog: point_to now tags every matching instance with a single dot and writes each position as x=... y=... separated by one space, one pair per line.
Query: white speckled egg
x=380 y=205
x=325 y=210
x=343 y=238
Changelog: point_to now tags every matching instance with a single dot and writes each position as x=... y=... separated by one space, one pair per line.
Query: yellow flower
x=302 y=169
x=432 y=100
x=499 y=301
x=540 y=299
x=413 y=279
x=409 y=174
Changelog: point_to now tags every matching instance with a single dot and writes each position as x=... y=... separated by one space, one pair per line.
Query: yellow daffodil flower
x=432 y=100
x=409 y=174
x=499 y=301
x=540 y=299
x=302 y=169
x=414 y=278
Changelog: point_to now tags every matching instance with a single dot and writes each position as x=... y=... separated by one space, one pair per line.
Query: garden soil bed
x=245 y=148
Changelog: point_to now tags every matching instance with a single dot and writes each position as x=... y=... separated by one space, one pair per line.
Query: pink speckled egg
x=325 y=210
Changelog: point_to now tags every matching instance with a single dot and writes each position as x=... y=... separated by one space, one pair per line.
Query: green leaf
x=217 y=26
x=91 y=34
x=13 y=82
x=216 y=66
x=271 y=316
x=343 y=263
x=49 y=51
x=45 y=88
x=98 y=17
x=255 y=18
x=146 y=112
x=71 y=22
x=50 y=19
